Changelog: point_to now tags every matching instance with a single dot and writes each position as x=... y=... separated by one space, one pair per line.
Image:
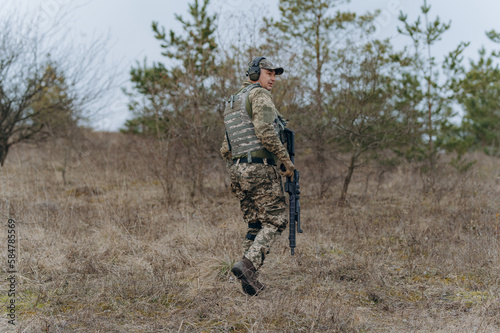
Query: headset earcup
x=254 y=76
x=254 y=70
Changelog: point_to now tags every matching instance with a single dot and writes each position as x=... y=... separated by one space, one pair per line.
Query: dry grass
x=107 y=253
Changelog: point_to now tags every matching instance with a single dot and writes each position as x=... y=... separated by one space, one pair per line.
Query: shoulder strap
x=248 y=105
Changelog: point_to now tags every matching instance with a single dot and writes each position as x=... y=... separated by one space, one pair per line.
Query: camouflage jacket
x=263 y=113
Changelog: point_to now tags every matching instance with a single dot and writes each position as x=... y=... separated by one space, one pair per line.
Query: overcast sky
x=128 y=25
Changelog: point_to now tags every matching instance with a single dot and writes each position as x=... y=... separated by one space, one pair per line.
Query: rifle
x=293 y=189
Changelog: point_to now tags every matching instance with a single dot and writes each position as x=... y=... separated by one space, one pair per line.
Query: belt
x=256 y=160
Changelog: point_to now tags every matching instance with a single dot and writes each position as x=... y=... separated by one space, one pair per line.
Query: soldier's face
x=267 y=78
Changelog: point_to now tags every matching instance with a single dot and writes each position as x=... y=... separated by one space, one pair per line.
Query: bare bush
x=49 y=83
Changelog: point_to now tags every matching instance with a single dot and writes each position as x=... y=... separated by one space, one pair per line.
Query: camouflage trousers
x=262 y=200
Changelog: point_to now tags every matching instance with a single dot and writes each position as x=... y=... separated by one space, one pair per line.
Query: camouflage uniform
x=258 y=186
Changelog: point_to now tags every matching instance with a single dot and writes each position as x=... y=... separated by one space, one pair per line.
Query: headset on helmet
x=253 y=71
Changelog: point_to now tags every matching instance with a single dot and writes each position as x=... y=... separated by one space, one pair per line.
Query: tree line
x=350 y=97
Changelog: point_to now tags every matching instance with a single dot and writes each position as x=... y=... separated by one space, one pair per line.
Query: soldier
x=254 y=150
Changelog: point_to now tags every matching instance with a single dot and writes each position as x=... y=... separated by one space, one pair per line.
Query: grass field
x=108 y=252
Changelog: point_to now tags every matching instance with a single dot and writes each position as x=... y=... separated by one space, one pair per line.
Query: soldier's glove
x=287 y=168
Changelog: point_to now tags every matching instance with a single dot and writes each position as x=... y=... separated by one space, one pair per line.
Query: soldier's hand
x=226 y=154
x=286 y=168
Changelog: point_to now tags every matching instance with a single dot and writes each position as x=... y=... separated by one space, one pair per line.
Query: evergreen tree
x=310 y=32
x=480 y=97
x=161 y=93
x=54 y=108
x=365 y=122
x=432 y=83
x=309 y=26
x=177 y=105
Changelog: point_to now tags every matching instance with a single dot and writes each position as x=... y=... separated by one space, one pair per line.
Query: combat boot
x=247 y=274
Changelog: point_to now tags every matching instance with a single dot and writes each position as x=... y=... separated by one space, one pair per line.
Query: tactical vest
x=240 y=130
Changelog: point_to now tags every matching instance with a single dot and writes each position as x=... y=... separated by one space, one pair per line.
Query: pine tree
x=177 y=104
x=432 y=83
x=480 y=97
x=313 y=32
